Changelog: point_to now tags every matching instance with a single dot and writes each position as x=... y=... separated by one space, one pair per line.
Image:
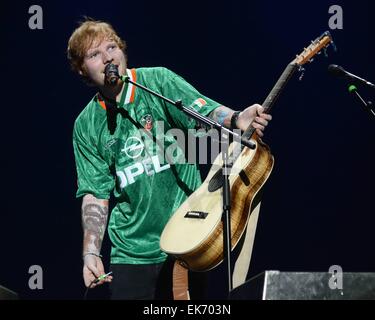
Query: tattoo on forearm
x=94 y=221
x=221 y=115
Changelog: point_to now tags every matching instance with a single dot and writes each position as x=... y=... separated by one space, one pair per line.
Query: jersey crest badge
x=146 y=122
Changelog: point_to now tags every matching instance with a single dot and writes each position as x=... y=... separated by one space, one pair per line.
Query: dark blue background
x=318 y=206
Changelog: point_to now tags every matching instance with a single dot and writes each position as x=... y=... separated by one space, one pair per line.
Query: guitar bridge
x=196 y=214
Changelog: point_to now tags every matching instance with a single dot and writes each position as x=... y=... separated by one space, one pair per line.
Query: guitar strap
x=180 y=281
x=242 y=263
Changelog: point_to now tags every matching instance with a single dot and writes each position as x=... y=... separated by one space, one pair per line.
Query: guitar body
x=198 y=242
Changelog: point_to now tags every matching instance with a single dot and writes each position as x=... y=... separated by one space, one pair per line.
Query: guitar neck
x=274 y=94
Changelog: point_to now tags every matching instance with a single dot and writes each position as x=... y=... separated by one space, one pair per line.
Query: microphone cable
x=96 y=280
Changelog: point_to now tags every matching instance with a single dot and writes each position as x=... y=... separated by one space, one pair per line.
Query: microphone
x=340 y=72
x=368 y=105
x=111 y=74
x=103 y=276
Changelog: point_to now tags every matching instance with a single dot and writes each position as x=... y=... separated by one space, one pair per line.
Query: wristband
x=92 y=253
x=233 y=120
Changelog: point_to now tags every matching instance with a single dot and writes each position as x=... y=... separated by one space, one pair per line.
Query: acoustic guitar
x=194 y=234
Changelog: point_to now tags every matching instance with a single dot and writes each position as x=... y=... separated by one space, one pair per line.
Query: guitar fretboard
x=273 y=95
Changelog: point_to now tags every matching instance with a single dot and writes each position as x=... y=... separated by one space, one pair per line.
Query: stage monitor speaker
x=6 y=294
x=276 y=285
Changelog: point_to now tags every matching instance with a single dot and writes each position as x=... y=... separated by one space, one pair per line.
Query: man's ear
x=82 y=71
x=83 y=74
x=85 y=78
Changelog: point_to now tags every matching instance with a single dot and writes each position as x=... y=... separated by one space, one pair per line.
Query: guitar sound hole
x=216 y=181
x=244 y=178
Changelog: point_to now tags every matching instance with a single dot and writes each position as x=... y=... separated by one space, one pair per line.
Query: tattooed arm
x=222 y=115
x=94 y=222
x=251 y=115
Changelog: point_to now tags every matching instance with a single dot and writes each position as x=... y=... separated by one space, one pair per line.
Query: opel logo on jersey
x=133 y=147
x=148 y=166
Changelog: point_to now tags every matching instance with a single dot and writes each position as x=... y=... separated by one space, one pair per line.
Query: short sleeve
x=93 y=172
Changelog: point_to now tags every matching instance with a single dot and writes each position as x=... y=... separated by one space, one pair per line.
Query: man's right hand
x=92 y=269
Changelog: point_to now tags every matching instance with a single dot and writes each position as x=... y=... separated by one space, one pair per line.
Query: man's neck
x=112 y=93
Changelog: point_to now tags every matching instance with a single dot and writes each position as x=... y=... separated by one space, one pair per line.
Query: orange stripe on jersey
x=133 y=89
x=102 y=104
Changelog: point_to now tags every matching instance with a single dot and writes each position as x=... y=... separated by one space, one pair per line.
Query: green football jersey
x=141 y=161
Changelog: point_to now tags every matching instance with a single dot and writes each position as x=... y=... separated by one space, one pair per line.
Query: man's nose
x=107 y=58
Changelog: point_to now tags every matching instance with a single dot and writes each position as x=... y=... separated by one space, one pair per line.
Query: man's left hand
x=255 y=116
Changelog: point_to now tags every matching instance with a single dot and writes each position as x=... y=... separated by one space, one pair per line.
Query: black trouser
x=150 y=282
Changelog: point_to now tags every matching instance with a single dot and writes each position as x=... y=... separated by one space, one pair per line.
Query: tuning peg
x=302 y=70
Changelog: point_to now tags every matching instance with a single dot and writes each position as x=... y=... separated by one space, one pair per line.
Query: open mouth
x=111 y=74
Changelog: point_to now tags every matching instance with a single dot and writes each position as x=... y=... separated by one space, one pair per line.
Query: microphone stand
x=205 y=121
x=368 y=105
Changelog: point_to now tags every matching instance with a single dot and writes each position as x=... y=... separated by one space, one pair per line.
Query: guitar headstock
x=316 y=46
